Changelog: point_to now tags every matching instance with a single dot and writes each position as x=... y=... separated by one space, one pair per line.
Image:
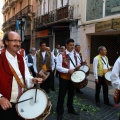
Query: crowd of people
x=19 y=71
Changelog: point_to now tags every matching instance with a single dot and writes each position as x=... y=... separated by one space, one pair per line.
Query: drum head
x=78 y=76
x=84 y=68
x=29 y=109
x=107 y=76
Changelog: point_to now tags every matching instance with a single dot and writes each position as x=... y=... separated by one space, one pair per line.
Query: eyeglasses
x=15 y=41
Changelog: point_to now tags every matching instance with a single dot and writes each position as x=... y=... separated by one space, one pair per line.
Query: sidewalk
x=85 y=104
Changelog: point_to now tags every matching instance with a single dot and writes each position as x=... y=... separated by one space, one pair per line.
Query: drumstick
x=24 y=100
x=36 y=92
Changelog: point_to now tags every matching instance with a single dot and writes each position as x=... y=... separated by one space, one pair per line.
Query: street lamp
x=22 y=22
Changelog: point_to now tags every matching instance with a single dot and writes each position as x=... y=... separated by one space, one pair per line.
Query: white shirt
x=28 y=78
x=43 y=54
x=115 y=75
x=79 y=58
x=55 y=57
x=29 y=64
x=95 y=66
x=60 y=59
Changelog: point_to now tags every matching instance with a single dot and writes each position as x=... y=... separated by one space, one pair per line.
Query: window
x=20 y=5
x=94 y=9
x=44 y=6
x=112 y=7
x=14 y=11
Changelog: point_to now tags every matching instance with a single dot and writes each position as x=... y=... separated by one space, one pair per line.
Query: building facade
x=100 y=26
x=56 y=21
x=19 y=16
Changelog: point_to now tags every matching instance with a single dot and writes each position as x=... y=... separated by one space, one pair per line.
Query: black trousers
x=105 y=90
x=9 y=114
x=64 y=87
x=46 y=84
x=51 y=83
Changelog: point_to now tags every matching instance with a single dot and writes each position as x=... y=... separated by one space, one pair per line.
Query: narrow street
x=85 y=104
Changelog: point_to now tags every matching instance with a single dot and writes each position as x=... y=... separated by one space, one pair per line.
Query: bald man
x=10 y=89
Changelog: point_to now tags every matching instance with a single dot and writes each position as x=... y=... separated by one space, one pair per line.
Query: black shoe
x=79 y=91
x=53 y=89
x=73 y=112
x=109 y=104
x=98 y=104
x=48 y=91
x=59 y=117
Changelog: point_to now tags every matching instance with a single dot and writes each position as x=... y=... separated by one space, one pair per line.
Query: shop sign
x=116 y=23
x=102 y=26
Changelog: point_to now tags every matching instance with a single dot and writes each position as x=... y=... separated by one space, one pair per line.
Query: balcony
x=5 y=7
x=5 y=25
x=12 y=2
x=62 y=14
x=24 y=12
x=12 y=21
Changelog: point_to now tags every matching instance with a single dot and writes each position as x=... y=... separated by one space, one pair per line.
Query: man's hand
x=111 y=69
x=5 y=103
x=96 y=81
x=37 y=80
x=77 y=67
x=70 y=71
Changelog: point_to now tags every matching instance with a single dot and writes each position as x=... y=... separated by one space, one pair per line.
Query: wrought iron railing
x=54 y=16
x=12 y=20
x=23 y=12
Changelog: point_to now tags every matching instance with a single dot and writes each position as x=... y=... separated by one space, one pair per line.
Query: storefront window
x=112 y=7
x=94 y=9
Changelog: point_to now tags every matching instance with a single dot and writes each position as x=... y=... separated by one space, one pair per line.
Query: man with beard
x=14 y=76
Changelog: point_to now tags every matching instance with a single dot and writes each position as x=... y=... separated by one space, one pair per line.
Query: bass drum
x=85 y=68
x=107 y=78
x=79 y=79
x=31 y=110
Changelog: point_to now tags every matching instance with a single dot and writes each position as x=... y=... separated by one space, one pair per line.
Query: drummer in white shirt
x=11 y=87
x=66 y=67
x=81 y=61
x=115 y=80
x=100 y=66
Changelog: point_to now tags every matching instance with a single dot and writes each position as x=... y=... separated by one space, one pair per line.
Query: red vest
x=66 y=64
x=22 y=52
x=6 y=75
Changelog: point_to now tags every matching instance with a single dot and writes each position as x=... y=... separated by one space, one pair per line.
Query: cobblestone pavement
x=85 y=105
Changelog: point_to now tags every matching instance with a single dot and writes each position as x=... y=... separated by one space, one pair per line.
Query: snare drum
x=107 y=78
x=79 y=79
x=85 y=68
x=31 y=110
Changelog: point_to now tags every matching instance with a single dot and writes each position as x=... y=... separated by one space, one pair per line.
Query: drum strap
x=81 y=58
x=16 y=77
x=105 y=62
x=71 y=61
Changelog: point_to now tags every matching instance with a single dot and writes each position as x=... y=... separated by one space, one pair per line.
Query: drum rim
x=87 y=66
x=81 y=81
x=106 y=73
x=26 y=91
